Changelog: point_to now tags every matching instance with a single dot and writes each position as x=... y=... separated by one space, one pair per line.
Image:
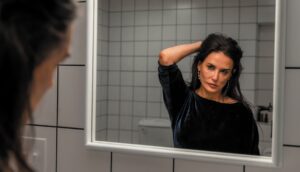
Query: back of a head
x=29 y=31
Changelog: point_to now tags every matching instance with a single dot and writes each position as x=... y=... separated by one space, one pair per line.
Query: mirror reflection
x=131 y=35
x=210 y=112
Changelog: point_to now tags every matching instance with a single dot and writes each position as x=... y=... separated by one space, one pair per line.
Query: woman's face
x=215 y=71
x=43 y=73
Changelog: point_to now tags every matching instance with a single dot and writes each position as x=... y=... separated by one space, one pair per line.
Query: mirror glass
x=131 y=34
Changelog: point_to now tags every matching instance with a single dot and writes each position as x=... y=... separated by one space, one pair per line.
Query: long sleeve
x=174 y=88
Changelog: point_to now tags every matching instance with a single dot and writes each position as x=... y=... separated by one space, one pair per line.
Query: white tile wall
x=153 y=110
x=71 y=85
x=126 y=78
x=169 y=17
x=183 y=32
x=266 y=15
x=292 y=33
x=231 y=3
x=155 y=4
x=78 y=48
x=263 y=97
x=292 y=109
x=184 y=4
x=248 y=2
x=141 y=5
x=198 y=32
x=248 y=31
x=231 y=30
x=184 y=16
x=127 y=18
x=194 y=166
x=154 y=48
x=72 y=155
x=249 y=64
x=169 y=33
x=115 y=19
x=127 y=48
x=49 y=134
x=138 y=163
x=214 y=15
x=154 y=33
x=115 y=5
x=248 y=14
x=115 y=34
x=199 y=16
x=290 y=162
x=169 y=4
x=128 y=5
x=155 y=17
x=140 y=47
x=46 y=114
x=231 y=15
x=248 y=47
x=214 y=3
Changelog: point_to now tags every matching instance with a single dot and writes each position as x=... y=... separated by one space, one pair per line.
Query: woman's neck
x=218 y=97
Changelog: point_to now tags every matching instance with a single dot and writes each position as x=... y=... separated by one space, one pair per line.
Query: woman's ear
x=199 y=66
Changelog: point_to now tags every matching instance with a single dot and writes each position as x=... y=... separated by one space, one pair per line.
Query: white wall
x=60 y=119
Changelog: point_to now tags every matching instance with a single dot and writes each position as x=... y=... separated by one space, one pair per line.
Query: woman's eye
x=225 y=72
x=210 y=67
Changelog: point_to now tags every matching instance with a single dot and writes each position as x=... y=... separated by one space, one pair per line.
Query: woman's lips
x=212 y=85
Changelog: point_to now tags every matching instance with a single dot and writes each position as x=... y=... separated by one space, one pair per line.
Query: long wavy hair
x=217 y=42
x=29 y=31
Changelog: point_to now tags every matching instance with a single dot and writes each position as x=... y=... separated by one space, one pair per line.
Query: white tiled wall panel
x=46 y=114
x=194 y=166
x=138 y=163
x=248 y=14
x=290 y=162
x=73 y=156
x=78 y=45
x=292 y=33
x=248 y=2
x=292 y=108
x=266 y=2
x=231 y=15
x=49 y=134
x=266 y=15
x=231 y=3
x=71 y=96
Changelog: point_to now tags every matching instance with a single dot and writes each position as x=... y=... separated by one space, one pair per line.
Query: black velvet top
x=204 y=124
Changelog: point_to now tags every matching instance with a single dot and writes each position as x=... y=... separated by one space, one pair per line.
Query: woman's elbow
x=164 y=59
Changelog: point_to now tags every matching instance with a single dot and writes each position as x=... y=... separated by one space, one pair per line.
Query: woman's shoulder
x=229 y=100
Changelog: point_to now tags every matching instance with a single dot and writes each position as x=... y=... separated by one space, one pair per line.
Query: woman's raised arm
x=174 y=54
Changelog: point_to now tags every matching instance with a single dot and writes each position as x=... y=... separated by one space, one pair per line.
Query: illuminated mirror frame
x=278 y=104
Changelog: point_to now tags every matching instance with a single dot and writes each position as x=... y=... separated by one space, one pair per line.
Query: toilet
x=155 y=132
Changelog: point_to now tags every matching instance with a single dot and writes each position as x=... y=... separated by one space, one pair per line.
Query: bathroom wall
x=132 y=33
x=102 y=70
x=60 y=118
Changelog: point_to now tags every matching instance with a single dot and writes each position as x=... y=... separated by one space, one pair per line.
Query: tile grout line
x=56 y=128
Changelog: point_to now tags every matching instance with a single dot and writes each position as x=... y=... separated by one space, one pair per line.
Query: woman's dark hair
x=220 y=43
x=29 y=31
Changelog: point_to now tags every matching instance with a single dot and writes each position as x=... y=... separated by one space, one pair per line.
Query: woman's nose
x=215 y=76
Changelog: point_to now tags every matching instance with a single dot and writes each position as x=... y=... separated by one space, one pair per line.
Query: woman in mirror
x=210 y=112
x=34 y=37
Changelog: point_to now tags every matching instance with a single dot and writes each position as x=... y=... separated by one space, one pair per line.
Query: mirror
x=125 y=108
